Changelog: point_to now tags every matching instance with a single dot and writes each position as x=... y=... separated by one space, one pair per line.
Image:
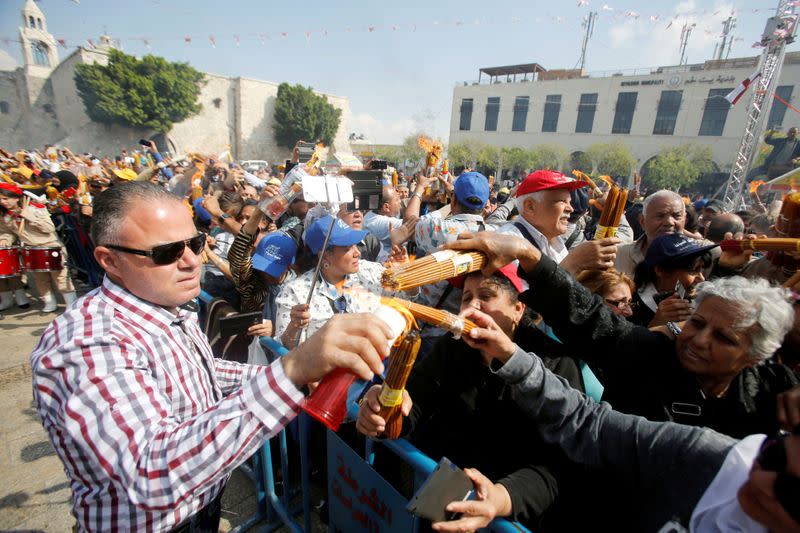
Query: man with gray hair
x=663 y=212
x=148 y=423
x=544 y=205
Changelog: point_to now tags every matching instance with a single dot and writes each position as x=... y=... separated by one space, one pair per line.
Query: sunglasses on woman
x=165 y=254
x=772 y=457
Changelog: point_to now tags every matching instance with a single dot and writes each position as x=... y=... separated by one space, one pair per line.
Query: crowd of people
x=656 y=323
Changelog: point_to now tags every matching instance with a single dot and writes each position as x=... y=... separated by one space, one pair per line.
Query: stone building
x=39 y=104
x=647 y=109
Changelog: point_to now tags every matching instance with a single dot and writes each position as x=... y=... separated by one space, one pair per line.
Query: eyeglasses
x=622 y=303
x=165 y=254
x=772 y=457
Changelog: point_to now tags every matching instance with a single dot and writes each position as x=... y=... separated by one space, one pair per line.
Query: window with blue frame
x=586 y=110
x=520 y=113
x=492 y=112
x=552 y=108
x=715 y=113
x=623 y=114
x=667 y=115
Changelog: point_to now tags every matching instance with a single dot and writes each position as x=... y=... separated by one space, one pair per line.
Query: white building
x=647 y=110
x=39 y=104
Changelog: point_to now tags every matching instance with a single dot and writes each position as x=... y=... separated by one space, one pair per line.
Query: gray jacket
x=668 y=465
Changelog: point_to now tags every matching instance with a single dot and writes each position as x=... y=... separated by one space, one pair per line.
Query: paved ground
x=34 y=495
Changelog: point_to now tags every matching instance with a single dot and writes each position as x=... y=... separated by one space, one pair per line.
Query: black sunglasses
x=165 y=254
x=772 y=457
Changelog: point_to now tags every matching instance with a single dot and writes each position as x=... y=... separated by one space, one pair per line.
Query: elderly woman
x=463 y=411
x=672 y=262
x=713 y=373
x=344 y=284
x=614 y=287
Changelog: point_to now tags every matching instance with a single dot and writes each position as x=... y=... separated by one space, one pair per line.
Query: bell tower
x=39 y=47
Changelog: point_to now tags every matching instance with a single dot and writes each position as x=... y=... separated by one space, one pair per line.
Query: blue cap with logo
x=472 y=190
x=672 y=247
x=342 y=234
x=274 y=254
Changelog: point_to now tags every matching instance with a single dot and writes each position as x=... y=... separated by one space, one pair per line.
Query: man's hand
x=788 y=412
x=211 y=204
x=491 y=500
x=261 y=330
x=357 y=342
x=597 y=254
x=368 y=422
x=500 y=249
x=672 y=309
x=734 y=259
x=269 y=191
x=399 y=254
x=488 y=338
x=404 y=231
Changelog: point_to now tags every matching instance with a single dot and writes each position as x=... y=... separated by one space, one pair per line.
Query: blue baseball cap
x=472 y=190
x=672 y=247
x=274 y=254
x=342 y=234
x=200 y=211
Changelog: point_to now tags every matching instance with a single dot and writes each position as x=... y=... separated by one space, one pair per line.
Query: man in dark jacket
x=782 y=158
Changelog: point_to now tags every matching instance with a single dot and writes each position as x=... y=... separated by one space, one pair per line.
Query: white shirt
x=381 y=226
x=718 y=509
x=553 y=248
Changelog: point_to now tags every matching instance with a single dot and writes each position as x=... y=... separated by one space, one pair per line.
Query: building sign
x=678 y=80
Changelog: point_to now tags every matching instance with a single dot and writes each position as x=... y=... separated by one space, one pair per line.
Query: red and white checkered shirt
x=149 y=425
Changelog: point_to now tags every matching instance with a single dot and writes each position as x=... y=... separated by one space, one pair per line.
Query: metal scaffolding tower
x=779 y=32
x=723 y=49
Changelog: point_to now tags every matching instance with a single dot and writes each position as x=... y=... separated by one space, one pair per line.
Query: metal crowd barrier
x=357 y=494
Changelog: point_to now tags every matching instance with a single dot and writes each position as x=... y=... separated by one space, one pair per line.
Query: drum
x=41 y=259
x=9 y=262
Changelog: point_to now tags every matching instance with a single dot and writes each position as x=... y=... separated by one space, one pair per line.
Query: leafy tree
x=389 y=153
x=150 y=93
x=463 y=154
x=548 y=156
x=679 y=166
x=488 y=158
x=612 y=159
x=412 y=154
x=580 y=161
x=516 y=159
x=300 y=114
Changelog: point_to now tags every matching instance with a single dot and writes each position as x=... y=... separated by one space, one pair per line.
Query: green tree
x=463 y=154
x=679 y=166
x=488 y=158
x=547 y=156
x=301 y=114
x=150 y=93
x=412 y=154
x=612 y=159
x=516 y=159
x=579 y=161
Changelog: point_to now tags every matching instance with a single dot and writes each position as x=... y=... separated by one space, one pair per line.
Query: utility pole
x=588 y=26
x=686 y=31
x=723 y=49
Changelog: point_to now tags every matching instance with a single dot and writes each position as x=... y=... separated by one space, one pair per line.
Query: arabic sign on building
x=680 y=80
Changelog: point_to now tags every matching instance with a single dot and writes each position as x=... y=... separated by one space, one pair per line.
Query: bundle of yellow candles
x=433 y=268
x=613 y=210
x=435 y=317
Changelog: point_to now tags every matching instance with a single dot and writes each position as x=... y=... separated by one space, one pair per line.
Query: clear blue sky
x=399 y=77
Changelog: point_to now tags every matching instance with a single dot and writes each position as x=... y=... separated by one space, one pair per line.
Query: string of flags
x=606 y=10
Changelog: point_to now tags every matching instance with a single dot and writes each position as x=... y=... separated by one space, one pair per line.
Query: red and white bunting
x=737 y=93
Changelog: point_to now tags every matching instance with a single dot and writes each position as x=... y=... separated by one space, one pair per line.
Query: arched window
x=39 y=50
x=4 y=108
x=31 y=21
x=39 y=22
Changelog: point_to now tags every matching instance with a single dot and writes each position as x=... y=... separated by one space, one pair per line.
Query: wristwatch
x=224 y=216
x=674 y=328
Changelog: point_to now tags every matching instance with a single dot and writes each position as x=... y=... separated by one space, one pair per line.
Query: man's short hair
x=111 y=206
x=722 y=224
x=663 y=194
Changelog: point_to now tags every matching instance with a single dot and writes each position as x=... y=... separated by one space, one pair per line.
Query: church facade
x=39 y=104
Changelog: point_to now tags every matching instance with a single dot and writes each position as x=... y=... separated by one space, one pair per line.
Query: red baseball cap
x=509 y=272
x=10 y=187
x=542 y=180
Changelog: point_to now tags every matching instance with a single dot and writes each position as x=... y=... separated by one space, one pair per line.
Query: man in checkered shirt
x=148 y=424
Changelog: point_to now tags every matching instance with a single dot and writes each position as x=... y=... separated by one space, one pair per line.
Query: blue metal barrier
x=423 y=466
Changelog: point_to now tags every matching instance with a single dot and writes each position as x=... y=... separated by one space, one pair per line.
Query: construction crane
x=779 y=32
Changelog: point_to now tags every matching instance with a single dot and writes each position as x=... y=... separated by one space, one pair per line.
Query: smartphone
x=447 y=483
x=238 y=324
x=681 y=290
